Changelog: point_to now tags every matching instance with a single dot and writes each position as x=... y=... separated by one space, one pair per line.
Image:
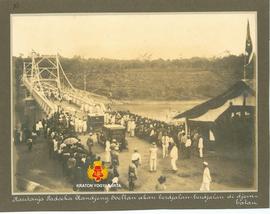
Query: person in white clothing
x=76 y=122
x=174 y=157
x=200 y=147
x=122 y=121
x=206 y=178
x=80 y=126
x=153 y=157
x=136 y=158
x=55 y=145
x=84 y=125
x=55 y=148
x=107 y=151
x=113 y=119
x=106 y=118
x=95 y=138
x=129 y=126
x=165 y=145
x=170 y=140
x=163 y=142
x=61 y=148
x=152 y=134
x=132 y=128
x=37 y=127
x=40 y=125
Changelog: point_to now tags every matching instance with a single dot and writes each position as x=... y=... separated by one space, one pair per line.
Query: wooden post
x=186 y=126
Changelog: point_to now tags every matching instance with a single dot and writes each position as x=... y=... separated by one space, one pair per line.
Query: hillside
x=179 y=79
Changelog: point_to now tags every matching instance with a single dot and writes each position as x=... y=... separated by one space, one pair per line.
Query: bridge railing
x=47 y=106
x=79 y=99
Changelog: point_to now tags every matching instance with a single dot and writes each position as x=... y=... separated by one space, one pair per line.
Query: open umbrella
x=70 y=140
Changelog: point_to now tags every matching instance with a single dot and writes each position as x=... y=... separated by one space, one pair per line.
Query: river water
x=159 y=110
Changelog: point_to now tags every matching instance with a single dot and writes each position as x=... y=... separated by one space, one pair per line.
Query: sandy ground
x=229 y=172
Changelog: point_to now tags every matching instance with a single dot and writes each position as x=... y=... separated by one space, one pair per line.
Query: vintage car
x=95 y=122
x=116 y=132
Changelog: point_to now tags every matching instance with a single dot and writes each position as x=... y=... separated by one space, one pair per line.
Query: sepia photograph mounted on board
x=134 y=103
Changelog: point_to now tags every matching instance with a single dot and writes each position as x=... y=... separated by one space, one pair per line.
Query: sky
x=132 y=35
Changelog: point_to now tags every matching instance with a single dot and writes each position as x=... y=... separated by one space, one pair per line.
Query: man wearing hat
x=206 y=178
x=153 y=157
x=136 y=158
x=132 y=176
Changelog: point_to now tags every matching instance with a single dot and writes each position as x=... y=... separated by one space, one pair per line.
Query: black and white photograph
x=134 y=102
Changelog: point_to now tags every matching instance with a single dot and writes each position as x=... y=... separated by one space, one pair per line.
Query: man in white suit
x=153 y=157
x=206 y=178
x=174 y=157
x=200 y=147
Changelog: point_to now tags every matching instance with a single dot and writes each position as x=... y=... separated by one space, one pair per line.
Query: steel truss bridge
x=46 y=81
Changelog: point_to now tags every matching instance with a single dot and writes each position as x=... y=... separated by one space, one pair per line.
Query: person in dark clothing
x=27 y=134
x=90 y=143
x=132 y=176
x=71 y=164
x=115 y=157
x=78 y=176
x=29 y=144
x=188 y=145
x=161 y=184
x=17 y=137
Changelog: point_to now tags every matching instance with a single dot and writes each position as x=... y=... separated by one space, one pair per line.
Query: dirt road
x=232 y=173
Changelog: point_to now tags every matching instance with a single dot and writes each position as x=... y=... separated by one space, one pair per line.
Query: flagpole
x=245 y=68
x=245 y=53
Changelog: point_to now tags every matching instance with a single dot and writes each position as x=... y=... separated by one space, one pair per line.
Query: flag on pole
x=248 y=62
x=249 y=47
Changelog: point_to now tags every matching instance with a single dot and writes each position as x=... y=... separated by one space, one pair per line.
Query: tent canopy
x=213 y=114
x=216 y=105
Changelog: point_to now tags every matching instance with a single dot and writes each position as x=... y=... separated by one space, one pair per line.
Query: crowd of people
x=61 y=132
x=172 y=139
x=164 y=135
x=65 y=146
